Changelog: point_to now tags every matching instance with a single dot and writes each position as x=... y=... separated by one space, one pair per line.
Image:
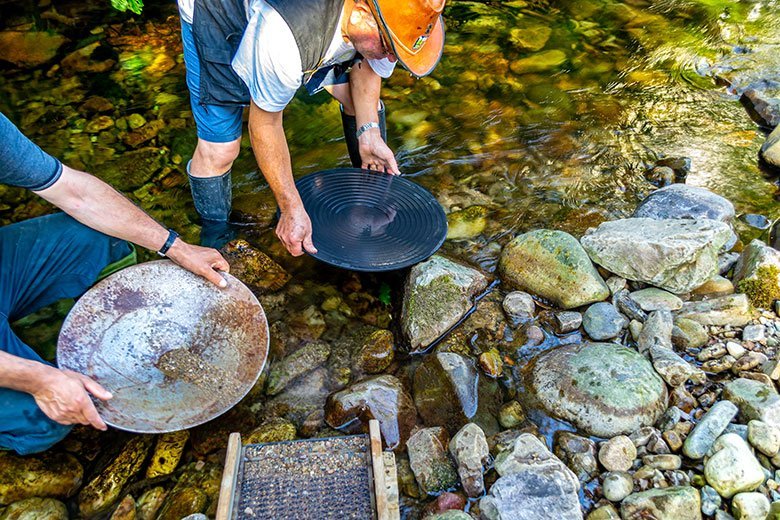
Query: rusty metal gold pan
x=175 y=350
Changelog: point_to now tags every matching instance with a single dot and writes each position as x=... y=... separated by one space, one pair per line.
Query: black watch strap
x=172 y=236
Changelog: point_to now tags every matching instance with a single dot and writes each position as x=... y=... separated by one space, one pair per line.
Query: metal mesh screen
x=313 y=479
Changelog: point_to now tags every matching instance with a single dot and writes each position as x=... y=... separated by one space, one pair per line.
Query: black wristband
x=172 y=236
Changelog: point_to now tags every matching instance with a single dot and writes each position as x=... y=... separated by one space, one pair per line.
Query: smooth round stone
x=653 y=299
x=518 y=304
x=617 y=454
x=603 y=321
x=715 y=286
x=735 y=349
x=750 y=506
x=602 y=388
x=764 y=437
x=708 y=429
x=688 y=334
x=665 y=462
x=710 y=500
x=732 y=468
x=617 y=485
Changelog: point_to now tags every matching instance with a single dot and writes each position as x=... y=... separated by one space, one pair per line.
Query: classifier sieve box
x=313 y=479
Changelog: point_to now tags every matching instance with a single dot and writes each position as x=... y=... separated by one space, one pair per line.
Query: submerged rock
x=167 y=453
x=29 y=48
x=757 y=274
x=438 y=293
x=732 y=468
x=680 y=503
x=183 y=502
x=446 y=390
x=676 y=255
x=770 y=150
x=430 y=461
x=553 y=265
x=604 y=389
x=253 y=267
x=150 y=503
x=382 y=398
x=55 y=475
x=683 y=201
x=307 y=358
x=534 y=485
x=466 y=223
x=539 y=62
x=578 y=453
x=35 y=509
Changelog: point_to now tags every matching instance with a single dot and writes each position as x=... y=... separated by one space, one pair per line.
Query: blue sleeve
x=22 y=162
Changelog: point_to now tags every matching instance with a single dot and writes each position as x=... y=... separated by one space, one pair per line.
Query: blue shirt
x=22 y=162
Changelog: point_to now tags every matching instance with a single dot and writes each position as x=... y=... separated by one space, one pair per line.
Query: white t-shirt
x=268 y=59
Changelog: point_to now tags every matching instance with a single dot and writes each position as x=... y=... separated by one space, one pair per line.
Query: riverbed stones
x=553 y=265
x=307 y=358
x=534 y=485
x=29 y=48
x=683 y=201
x=675 y=255
x=603 y=321
x=519 y=304
x=656 y=332
x=104 y=490
x=732 y=468
x=466 y=223
x=430 y=461
x=679 y=502
x=445 y=390
x=167 y=453
x=754 y=399
x=617 y=454
x=770 y=150
x=750 y=506
x=708 y=429
x=754 y=333
x=438 y=293
x=764 y=437
x=383 y=398
x=654 y=299
x=733 y=310
x=603 y=389
x=617 y=485
x=757 y=274
x=35 y=508
x=470 y=450
x=56 y=475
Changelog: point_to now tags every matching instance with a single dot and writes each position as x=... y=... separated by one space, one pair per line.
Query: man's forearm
x=23 y=375
x=365 y=86
x=99 y=206
x=269 y=145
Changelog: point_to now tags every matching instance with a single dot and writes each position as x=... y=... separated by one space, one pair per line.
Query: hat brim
x=422 y=62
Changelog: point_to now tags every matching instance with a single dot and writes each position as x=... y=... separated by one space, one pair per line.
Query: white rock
x=617 y=454
x=735 y=349
x=732 y=468
x=617 y=485
x=750 y=506
x=764 y=437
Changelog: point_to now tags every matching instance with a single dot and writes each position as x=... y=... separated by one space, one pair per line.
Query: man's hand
x=375 y=153
x=64 y=398
x=202 y=261
x=294 y=230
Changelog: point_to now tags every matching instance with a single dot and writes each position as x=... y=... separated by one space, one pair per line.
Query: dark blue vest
x=218 y=27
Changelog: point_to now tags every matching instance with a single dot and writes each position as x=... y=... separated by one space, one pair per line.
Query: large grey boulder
x=553 y=265
x=534 y=485
x=676 y=255
x=678 y=503
x=602 y=388
x=684 y=201
x=438 y=293
x=770 y=150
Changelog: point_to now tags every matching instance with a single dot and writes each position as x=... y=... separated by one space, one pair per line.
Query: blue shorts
x=42 y=260
x=216 y=124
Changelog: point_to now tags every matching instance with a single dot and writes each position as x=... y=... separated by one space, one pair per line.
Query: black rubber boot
x=213 y=197
x=349 y=124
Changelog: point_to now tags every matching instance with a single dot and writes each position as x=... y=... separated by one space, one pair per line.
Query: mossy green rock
x=530 y=36
x=438 y=293
x=103 y=491
x=553 y=265
x=150 y=503
x=275 y=430
x=29 y=48
x=183 y=502
x=679 y=502
x=466 y=223
x=35 y=509
x=376 y=352
x=430 y=461
x=56 y=475
x=601 y=388
x=539 y=62
x=757 y=274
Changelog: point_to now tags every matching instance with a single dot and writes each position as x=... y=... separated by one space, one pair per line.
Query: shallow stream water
x=547 y=115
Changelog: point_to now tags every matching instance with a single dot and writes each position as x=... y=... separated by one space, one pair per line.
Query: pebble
x=673 y=440
x=602 y=321
x=669 y=419
x=642 y=436
x=708 y=429
x=732 y=468
x=534 y=335
x=750 y=506
x=606 y=512
x=616 y=284
x=617 y=485
x=735 y=349
x=764 y=437
x=511 y=414
x=754 y=333
x=739 y=429
x=715 y=351
x=710 y=500
x=519 y=304
x=749 y=361
x=617 y=454
x=635 y=328
x=567 y=321
x=716 y=366
x=663 y=462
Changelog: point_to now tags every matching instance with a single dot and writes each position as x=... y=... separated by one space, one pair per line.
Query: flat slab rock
x=602 y=388
x=675 y=255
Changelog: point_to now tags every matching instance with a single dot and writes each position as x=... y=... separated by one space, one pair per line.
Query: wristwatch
x=364 y=128
x=172 y=236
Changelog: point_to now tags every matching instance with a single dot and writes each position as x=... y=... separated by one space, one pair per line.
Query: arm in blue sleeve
x=22 y=162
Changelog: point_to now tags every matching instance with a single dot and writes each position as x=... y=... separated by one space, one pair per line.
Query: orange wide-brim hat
x=415 y=30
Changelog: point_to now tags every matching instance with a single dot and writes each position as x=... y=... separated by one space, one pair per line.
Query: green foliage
x=762 y=289
x=384 y=293
x=124 y=5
